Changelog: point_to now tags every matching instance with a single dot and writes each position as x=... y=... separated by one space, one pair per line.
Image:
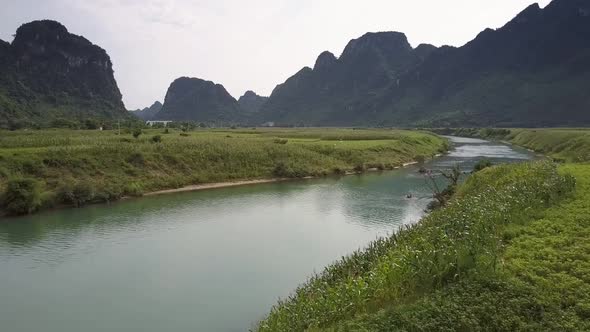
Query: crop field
x=77 y=167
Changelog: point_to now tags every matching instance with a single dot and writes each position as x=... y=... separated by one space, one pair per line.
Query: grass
x=542 y=283
x=510 y=253
x=571 y=145
x=565 y=145
x=431 y=276
x=76 y=167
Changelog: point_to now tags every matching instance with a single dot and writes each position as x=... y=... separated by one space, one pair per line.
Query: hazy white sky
x=245 y=45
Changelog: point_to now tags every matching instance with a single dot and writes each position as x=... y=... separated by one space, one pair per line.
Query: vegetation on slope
x=571 y=145
x=543 y=283
x=531 y=72
x=47 y=73
x=432 y=275
x=79 y=167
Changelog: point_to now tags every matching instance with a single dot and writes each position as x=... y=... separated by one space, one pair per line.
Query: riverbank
x=533 y=274
x=217 y=185
x=43 y=169
x=562 y=144
x=467 y=266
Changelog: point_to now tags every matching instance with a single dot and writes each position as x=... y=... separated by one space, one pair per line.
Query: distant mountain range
x=47 y=73
x=148 y=113
x=534 y=71
x=194 y=99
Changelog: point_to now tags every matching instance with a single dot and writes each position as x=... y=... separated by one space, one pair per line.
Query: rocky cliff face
x=250 y=103
x=532 y=72
x=51 y=73
x=148 y=113
x=329 y=94
x=194 y=99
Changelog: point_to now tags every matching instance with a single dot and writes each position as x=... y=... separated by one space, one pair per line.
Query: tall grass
x=442 y=249
x=542 y=284
x=109 y=166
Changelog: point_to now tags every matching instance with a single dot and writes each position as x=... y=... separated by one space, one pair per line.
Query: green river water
x=213 y=260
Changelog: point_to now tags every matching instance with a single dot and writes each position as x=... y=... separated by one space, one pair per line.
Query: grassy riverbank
x=46 y=168
x=509 y=253
x=569 y=145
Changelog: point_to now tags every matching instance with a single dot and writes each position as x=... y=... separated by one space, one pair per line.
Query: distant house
x=268 y=124
x=151 y=123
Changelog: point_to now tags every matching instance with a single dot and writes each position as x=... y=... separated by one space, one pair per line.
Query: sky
x=245 y=45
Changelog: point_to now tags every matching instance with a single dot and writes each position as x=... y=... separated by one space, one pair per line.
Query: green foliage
x=78 y=194
x=482 y=164
x=137 y=132
x=22 y=196
x=157 y=139
x=542 y=284
x=281 y=141
x=446 y=247
x=116 y=166
x=91 y=124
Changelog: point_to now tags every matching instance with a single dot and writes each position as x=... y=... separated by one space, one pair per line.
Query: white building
x=151 y=123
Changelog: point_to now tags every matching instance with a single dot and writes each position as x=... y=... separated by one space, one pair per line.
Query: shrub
x=136 y=159
x=108 y=194
x=338 y=171
x=280 y=141
x=22 y=196
x=156 y=139
x=91 y=124
x=360 y=168
x=133 y=189
x=482 y=164
x=282 y=170
x=137 y=132
x=78 y=195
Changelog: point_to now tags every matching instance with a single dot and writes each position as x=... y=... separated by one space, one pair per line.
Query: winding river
x=213 y=260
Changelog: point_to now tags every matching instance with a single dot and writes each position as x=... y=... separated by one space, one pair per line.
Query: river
x=213 y=260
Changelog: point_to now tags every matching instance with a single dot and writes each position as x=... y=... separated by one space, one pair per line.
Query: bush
x=133 y=189
x=108 y=194
x=482 y=164
x=22 y=196
x=78 y=195
x=91 y=124
x=157 y=139
x=282 y=170
x=137 y=132
x=136 y=159
x=360 y=168
x=280 y=141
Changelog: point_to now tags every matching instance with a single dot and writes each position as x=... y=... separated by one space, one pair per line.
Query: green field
x=47 y=168
x=510 y=253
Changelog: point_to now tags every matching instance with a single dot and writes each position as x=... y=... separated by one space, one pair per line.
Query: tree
x=443 y=196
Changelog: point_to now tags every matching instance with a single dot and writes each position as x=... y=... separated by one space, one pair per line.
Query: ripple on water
x=486 y=151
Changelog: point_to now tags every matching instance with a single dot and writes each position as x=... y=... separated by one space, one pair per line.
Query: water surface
x=213 y=260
